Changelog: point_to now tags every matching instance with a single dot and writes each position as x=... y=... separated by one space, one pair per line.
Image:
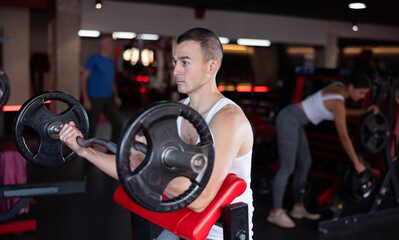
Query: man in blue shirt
x=99 y=91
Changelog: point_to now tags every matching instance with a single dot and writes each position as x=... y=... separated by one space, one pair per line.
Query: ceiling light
x=224 y=40
x=374 y=50
x=234 y=48
x=357 y=5
x=385 y=50
x=253 y=42
x=300 y=50
x=99 y=5
x=146 y=36
x=88 y=33
x=123 y=35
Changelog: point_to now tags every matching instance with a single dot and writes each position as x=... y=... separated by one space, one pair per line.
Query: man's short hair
x=105 y=37
x=210 y=44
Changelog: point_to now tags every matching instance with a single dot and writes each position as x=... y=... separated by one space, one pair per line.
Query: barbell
x=167 y=156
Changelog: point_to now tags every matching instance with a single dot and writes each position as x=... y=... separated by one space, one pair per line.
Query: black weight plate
x=374 y=132
x=35 y=115
x=359 y=187
x=4 y=88
x=146 y=184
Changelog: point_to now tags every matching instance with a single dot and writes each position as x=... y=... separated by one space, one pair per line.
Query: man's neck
x=203 y=104
x=105 y=54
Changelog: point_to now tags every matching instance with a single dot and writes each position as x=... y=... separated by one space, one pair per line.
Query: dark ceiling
x=380 y=12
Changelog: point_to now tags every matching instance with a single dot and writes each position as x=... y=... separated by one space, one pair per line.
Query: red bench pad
x=184 y=222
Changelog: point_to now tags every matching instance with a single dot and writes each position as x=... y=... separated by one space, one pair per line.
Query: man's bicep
x=227 y=143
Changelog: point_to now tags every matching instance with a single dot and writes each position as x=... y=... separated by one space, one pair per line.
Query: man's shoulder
x=98 y=60
x=98 y=57
x=92 y=59
x=231 y=121
x=231 y=112
x=231 y=107
x=94 y=56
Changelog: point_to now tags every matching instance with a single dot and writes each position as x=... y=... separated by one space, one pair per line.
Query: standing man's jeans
x=111 y=111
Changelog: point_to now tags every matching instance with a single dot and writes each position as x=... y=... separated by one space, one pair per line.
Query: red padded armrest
x=184 y=222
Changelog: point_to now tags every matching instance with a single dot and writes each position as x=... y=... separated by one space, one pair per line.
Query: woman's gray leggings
x=293 y=151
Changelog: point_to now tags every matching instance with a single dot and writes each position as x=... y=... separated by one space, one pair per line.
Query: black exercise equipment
x=27 y=191
x=374 y=132
x=358 y=187
x=4 y=88
x=25 y=194
x=167 y=155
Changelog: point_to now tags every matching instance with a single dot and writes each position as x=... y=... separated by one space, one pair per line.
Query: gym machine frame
x=25 y=193
x=387 y=89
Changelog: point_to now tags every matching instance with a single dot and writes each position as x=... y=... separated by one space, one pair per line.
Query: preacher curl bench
x=196 y=226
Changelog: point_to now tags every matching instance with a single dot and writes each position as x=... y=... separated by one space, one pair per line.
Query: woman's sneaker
x=300 y=212
x=281 y=219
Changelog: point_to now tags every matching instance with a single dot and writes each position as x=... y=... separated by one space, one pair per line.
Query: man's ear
x=214 y=65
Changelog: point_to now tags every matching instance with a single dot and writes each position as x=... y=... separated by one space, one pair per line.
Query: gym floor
x=95 y=215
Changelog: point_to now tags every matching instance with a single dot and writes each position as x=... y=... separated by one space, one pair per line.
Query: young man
x=197 y=59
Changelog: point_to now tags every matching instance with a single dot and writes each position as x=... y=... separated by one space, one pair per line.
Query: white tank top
x=241 y=167
x=315 y=109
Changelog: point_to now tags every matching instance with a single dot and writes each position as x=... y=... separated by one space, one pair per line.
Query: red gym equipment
x=190 y=225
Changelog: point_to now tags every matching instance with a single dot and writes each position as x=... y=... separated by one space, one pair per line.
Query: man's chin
x=182 y=91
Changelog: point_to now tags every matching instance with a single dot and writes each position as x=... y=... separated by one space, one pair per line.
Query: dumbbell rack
x=390 y=178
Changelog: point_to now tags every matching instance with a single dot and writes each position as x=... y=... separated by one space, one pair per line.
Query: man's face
x=107 y=45
x=189 y=67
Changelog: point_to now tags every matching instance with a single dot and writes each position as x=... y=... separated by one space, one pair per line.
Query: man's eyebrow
x=181 y=58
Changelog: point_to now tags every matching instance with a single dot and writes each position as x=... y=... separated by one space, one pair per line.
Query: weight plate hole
x=60 y=106
x=32 y=138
